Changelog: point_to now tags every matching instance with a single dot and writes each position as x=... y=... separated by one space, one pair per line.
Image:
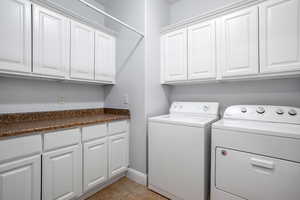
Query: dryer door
x=255 y=177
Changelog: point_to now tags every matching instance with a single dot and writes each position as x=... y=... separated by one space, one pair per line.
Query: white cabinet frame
x=202 y=51
x=279 y=36
x=15 y=49
x=51 y=42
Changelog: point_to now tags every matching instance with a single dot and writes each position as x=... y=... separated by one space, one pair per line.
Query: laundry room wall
x=157 y=95
x=20 y=95
x=130 y=78
x=285 y=92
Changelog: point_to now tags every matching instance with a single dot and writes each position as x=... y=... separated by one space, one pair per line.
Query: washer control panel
x=281 y=114
x=195 y=108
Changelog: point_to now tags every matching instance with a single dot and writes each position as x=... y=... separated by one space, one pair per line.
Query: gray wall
x=285 y=92
x=157 y=96
x=183 y=9
x=19 y=95
x=130 y=76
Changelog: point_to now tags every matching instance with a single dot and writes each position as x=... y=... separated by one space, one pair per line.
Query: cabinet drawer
x=94 y=132
x=20 y=147
x=60 y=139
x=253 y=177
x=117 y=127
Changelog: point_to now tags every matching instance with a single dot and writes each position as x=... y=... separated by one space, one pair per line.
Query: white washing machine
x=179 y=150
x=256 y=154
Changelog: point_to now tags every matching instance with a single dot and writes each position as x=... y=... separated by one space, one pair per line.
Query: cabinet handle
x=262 y=163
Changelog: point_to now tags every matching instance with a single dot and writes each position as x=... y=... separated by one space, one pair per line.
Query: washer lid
x=186 y=120
x=259 y=127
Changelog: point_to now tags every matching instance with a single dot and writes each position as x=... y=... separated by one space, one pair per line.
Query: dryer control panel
x=280 y=114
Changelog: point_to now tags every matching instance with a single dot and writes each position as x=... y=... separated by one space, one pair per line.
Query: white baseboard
x=137 y=176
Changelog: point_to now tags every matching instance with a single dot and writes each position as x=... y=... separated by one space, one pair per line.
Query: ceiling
x=104 y=1
x=101 y=1
x=172 y=1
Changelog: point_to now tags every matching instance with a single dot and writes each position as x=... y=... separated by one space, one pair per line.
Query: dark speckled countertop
x=26 y=123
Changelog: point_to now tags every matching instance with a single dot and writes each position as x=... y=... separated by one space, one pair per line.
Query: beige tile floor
x=125 y=189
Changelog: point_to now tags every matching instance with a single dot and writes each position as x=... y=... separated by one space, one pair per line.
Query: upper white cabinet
x=280 y=35
x=174 y=56
x=202 y=51
x=239 y=43
x=253 y=41
x=51 y=39
x=82 y=51
x=104 y=57
x=15 y=35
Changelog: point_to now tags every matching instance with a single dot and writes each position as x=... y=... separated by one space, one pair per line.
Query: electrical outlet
x=125 y=99
x=61 y=100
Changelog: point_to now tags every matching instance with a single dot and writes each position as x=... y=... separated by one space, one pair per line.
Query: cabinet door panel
x=202 y=51
x=62 y=173
x=280 y=35
x=82 y=51
x=51 y=42
x=21 y=179
x=239 y=43
x=174 y=55
x=104 y=57
x=95 y=163
x=15 y=40
x=118 y=152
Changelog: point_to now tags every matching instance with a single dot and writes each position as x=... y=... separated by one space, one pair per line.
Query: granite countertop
x=27 y=123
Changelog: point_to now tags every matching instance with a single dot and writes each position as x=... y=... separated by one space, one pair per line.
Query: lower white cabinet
x=118 y=154
x=21 y=179
x=62 y=171
x=94 y=163
x=20 y=168
x=69 y=163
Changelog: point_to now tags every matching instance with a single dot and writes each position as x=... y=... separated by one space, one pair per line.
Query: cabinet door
x=280 y=35
x=82 y=51
x=21 y=179
x=118 y=154
x=174 y=55
x=202 y=51
x=239 y=43
x=95 y=163
x=104 y=57
x=62 y=173
x=51 y=34
x=15 y=40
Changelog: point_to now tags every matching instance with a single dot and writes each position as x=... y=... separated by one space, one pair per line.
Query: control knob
x=279 y=111
x=243 y=110
x=260 y=110
x=205 y=108
x=292 y=112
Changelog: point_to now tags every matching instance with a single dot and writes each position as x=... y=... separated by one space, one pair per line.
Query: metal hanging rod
x=114 y=18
